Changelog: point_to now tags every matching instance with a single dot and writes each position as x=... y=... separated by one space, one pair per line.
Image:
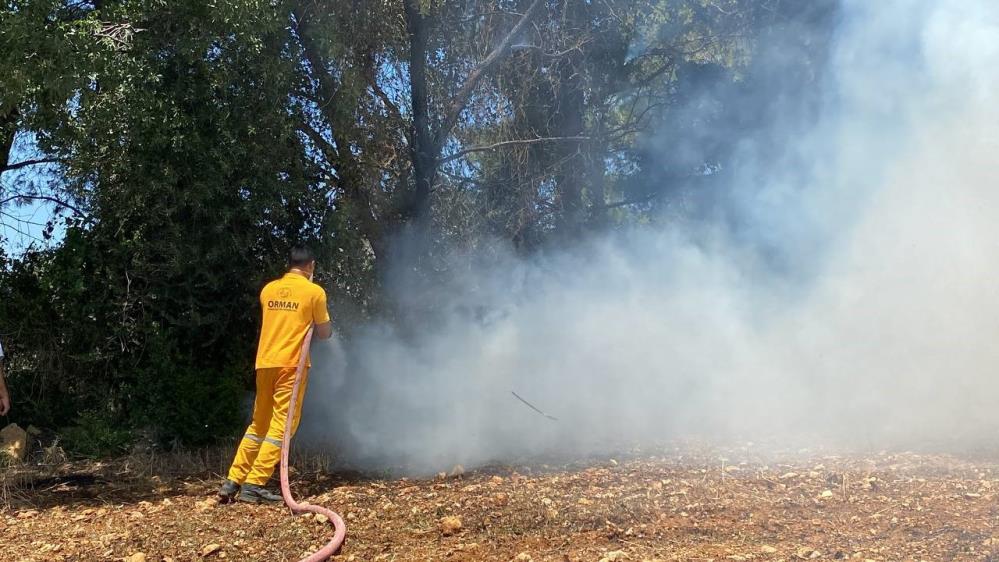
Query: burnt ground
x=682 y=503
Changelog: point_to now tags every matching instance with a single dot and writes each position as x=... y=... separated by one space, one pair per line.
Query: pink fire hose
x=339 y=528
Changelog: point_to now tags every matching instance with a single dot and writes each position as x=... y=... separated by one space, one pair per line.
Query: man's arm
x=321 y=317
x=324 y=331
x=4 y=395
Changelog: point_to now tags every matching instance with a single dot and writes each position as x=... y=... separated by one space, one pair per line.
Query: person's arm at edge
x=4 y=394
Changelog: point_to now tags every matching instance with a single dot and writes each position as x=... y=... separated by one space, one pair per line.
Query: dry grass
x=688 y=504
x=50 y=469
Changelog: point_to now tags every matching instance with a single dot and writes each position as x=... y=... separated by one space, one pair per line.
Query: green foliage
x=181 y=401
x=95 y=435
x=194 y=184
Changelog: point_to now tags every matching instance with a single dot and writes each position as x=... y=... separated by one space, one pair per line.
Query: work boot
x=258 y=494
x=228 y=490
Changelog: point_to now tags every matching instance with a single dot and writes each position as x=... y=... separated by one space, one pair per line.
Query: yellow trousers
x=260 y=449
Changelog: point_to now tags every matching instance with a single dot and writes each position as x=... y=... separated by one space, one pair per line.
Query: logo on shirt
x=282 y=305
x=284 y=293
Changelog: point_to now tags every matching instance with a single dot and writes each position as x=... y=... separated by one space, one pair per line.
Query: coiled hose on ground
x=339 y=528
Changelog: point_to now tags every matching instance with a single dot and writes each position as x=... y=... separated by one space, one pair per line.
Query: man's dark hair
x=300 y=256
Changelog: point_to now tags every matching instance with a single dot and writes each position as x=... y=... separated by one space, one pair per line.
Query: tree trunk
x=8 y=129
x=423 y=153
x=569 y=122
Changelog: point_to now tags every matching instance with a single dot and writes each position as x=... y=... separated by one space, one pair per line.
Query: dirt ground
x=671 y=504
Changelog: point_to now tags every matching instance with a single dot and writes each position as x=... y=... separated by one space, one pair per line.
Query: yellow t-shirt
x=290 y=306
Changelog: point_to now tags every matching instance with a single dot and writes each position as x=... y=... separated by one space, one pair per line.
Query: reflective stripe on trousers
x=260 y=449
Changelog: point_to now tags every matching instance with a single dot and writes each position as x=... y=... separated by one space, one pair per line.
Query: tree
x=193 y=142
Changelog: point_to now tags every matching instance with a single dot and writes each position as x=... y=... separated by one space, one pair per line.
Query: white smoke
x=887 y=334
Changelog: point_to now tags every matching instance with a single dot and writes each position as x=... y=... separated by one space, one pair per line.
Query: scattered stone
x=450 y=525
x=614 y=556
x=14 y=441
x=767 y=549
x=137 y=557
x=523 y=557
x=807 y=553
x=210 y=549
x=458 y=470
x=208 y=504
x=826 y=494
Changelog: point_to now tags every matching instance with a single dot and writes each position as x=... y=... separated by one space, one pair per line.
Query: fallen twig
x=531 y=406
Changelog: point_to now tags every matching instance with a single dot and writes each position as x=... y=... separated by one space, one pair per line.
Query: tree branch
x=327 y=91
x=19 y=231
x=385 y=99
x=47 y=198
x=345 y=164
x=505 y=144
x=26 y=163
x=461 y=99
x=651 y=196
x=552 y=54
x=627 y=202
x=325 y=147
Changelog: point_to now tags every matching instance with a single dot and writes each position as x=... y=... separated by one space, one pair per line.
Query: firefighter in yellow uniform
x=291 y=305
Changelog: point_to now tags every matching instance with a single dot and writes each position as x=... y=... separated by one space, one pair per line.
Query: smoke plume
x=840 y=286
